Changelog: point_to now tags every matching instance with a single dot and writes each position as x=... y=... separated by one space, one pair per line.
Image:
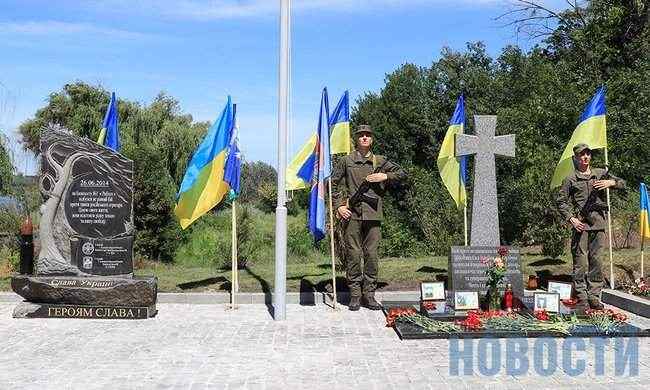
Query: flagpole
x=609 y=228
x=329 y=187
x=280 y=289
x=642 y=250
x=234 y=282
x=465 y=220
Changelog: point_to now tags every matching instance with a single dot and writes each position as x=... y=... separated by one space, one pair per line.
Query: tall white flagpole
x=279 y=296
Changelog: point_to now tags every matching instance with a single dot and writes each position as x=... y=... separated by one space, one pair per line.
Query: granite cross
x=485 y=207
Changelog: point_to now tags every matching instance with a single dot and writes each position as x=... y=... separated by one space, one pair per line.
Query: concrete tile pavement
x=208 y=347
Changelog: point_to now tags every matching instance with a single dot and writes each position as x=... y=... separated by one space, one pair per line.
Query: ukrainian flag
x=203 y=185
x=339 y=130
x=453 y=169
x=339 y=124
x=592 y=130
x=644 y=230
x=109 y=136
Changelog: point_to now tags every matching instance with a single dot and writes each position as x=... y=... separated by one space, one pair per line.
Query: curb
x=627 y=302
x=303 y=298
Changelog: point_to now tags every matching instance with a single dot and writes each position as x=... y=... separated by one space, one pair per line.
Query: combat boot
x=355 y=303
x=371 y=303
x=596 y=304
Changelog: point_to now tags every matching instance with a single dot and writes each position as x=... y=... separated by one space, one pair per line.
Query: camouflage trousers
x=587 y=269
x=362 y=262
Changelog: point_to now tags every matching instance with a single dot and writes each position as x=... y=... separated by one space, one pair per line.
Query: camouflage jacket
x=578 y=198
x=351 y=171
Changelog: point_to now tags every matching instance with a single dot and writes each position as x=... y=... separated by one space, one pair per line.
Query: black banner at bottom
x=45 y=310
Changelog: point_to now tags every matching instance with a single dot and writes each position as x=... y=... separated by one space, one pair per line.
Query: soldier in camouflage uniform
x=361 y=214
x=582 y=203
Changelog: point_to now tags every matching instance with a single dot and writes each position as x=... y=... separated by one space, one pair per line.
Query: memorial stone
x=85 y=264
x=466 y=271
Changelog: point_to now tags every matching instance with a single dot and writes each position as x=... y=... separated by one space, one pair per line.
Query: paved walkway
x=208 y=347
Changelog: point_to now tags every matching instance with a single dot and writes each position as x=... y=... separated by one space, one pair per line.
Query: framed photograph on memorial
x=550 y=302
x=432 y=291
x=466 y=300
x=564 y=289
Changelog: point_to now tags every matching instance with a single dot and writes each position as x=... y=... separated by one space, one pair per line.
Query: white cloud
x=53 y=28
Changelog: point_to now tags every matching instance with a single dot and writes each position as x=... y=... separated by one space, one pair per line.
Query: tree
x=6 y=167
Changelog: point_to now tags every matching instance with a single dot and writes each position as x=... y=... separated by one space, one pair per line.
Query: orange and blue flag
x=592 y=130
x=203 y=185
x=644 y=230
x=109 y=136
x=316 y=170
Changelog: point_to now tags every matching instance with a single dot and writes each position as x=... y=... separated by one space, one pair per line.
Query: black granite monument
x=85 y=265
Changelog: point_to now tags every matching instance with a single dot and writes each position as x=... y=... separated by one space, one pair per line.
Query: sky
x=201 y=51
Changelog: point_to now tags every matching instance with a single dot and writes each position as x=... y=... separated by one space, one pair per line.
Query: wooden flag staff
x=329 y=188
x=642 y=250
x=609 y=229
x=234 y=283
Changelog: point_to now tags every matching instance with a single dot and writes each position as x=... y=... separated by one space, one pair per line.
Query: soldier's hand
x=577 y=224
x=377 y=177
x=602 y=184
x=344 y=212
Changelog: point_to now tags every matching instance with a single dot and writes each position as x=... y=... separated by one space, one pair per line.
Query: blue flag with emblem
x=232 y=171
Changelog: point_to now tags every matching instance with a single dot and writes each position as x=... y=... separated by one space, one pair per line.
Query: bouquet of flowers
x=496 y=271
x=606 y=320
x=640 y=287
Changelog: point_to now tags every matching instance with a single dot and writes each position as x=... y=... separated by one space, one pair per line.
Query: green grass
x=315 y=272
x=394 y=274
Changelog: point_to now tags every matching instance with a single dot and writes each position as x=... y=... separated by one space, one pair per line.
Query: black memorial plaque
x=96 y=204
x=103 y=256
x=467 y=272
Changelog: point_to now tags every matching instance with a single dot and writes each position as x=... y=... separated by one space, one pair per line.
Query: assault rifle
x=594 y=203
x=360 y=194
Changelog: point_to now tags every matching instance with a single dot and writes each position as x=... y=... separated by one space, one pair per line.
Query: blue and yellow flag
x=644 y=230
x=339 y=124
x=592 y=130
x=453 y=169
x=203 y=185
x=339 y=129
x=109 y=136
x=316 y=170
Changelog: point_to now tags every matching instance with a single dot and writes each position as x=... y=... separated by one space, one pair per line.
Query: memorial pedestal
x=85 y=297
x=411 y=331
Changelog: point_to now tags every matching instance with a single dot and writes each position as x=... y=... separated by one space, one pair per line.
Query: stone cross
x=484 y=145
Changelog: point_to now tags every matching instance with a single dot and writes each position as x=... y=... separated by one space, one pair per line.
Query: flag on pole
x=203 y=185
x=339 y=129
x=453 y=169
x=644 y=230
x=293 y=181
x=109 y=136
x=592 y=130
x=232 y=171
x=339 y=124
x=316 y=170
